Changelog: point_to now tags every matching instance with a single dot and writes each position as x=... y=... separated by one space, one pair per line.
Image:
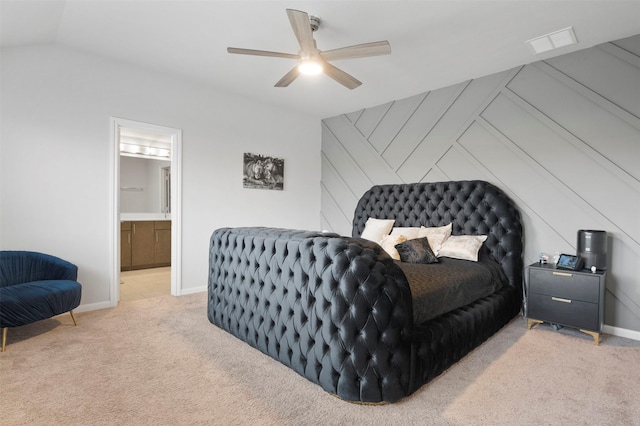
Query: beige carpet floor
x=159 y=361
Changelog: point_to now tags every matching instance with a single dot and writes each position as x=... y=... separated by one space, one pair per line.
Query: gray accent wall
x=560 y=136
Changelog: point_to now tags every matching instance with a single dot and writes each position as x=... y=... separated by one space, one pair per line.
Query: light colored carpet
x=159 y=361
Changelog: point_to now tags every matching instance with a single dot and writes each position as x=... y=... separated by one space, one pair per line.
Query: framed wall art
x=263 y=172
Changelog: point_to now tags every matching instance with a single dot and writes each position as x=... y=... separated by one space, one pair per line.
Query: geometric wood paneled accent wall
x=560 y=136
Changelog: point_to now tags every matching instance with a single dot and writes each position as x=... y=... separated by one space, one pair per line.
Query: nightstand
x=569 y=298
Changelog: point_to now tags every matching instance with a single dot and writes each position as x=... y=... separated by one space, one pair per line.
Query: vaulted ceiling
x=434 y=43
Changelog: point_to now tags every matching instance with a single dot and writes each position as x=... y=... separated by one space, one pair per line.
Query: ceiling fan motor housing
x=314 y=21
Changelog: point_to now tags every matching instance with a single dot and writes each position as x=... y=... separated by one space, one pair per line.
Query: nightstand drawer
x=556 y=309
x=565 y=284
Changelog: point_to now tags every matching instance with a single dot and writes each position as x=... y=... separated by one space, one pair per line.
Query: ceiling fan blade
x=261 y=53
x=302 y=29
x=358 y=51
x=340 y=76
x=288 y=77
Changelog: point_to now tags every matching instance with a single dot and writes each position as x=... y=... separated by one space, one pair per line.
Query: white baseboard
x=107 y=304
x=192 y=290
x=93 y=307
x=621 y=332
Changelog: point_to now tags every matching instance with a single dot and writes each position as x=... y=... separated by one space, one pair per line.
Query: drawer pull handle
x=562 y=274
x=558 y=299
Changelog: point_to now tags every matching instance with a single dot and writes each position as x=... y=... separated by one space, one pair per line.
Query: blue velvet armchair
x=35 y=286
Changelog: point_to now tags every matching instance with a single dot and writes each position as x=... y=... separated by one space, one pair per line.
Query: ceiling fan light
x=309 y=67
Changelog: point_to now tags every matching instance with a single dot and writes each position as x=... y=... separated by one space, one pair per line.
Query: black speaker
x=592 y=248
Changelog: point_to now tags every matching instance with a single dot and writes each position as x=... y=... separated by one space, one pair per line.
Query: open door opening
x=146 y=216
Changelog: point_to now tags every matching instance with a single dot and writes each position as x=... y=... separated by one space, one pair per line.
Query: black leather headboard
x=473 y=207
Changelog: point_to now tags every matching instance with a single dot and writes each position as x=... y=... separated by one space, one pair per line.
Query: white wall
x=56 y=148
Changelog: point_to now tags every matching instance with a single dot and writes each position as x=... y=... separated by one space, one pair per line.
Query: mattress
x=438 y=288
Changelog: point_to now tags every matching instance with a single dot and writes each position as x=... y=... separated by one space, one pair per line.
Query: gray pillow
x=417 y=250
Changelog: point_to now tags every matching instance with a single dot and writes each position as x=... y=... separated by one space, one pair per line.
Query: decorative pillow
x=436 y=235
x=389 y=242
x=409 y=232
x=462 y=247
x=375 y=229
x=417 y=250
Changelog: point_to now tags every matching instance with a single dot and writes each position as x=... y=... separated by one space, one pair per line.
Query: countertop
x=144 y=216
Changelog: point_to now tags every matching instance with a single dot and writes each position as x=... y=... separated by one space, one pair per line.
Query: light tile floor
x=145 y=283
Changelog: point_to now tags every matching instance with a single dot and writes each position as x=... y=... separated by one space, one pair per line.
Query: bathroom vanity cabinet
x=145 y=244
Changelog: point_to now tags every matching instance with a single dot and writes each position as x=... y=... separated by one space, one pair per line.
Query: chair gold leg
x=73 y=317
x=4 y=337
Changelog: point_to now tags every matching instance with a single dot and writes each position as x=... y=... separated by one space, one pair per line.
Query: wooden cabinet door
x=142 y=243
x=162 y=247
x=125 y=250
x=125 y=245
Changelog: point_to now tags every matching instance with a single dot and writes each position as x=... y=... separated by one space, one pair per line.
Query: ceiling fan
x=310 y=59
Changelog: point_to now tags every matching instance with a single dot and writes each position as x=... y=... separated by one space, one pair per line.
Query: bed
x=341 y=311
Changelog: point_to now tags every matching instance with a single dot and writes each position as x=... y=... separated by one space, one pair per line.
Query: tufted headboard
x=473 y=207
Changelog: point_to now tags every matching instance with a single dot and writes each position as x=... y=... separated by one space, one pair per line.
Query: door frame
x=176 y=203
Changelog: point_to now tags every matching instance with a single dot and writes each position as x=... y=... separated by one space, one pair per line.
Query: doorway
x=159 y=204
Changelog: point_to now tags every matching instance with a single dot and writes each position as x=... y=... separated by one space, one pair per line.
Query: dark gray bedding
x=441 y=287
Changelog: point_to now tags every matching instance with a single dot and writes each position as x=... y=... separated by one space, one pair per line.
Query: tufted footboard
x=337 y=310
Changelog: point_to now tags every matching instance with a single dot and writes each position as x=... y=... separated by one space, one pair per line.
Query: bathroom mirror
x=145 y=172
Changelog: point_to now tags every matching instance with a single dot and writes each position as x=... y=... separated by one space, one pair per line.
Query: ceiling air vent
x=554 y=40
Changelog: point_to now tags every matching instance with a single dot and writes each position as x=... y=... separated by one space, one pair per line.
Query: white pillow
x=389 y=242
x=464 y=247
x=375 y=229
x=410 y=232
x=436 y=236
